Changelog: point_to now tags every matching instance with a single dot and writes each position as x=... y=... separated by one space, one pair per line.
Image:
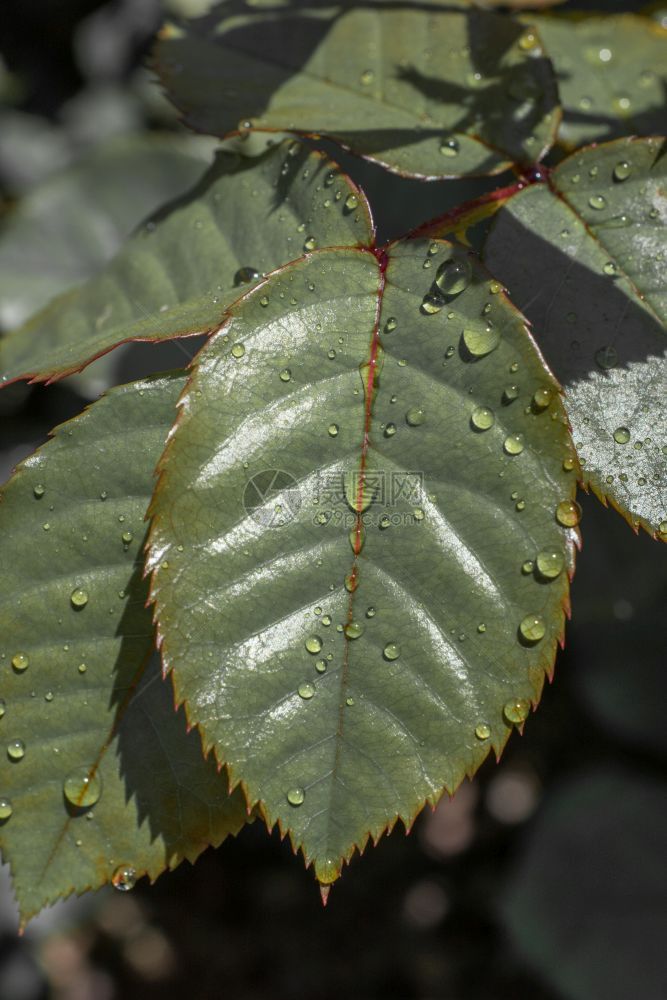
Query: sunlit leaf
x=584 y=258
x=359 y=571
x=424 y=90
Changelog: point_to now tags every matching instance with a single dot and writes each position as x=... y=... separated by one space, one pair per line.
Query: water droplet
x=385 y=522
x=46 y=526
x=353 y=630
x=621 y=435
x=357 y=537
x=482 y=731
x=528 y=41
x=48 y=696
x=606 y=358
x=609 y=268
x=390 y=430
x=313 y=644
x=532 y=628
x=482 y=418
x=82 y=668
x=516 y=711
x=79 y=598
x=366 y=77
x=285 y=375
x=454 y=276
x=3 y=707
x=541 y=398
x=6 y=809
x=550 y=563
x=306 y=691
x=349 y=702
x=431 y=304
x=450 y=147
x=82 y=787
x=597 y=201
x=124 y=878
x=418 y=514
x=359 y=490
x=391 y=651
x=16 y=750
x=622 y=170
x=351 y=582
x=662 y=529
x=391 y=324
x=333 y=430
x=264 y=301
x=510 y=393
x=238 y=350
x=370 y=612
x=309 y=243
x=296 y=796
x=415 y=416
x=321 y=666
x=20 y=661
x=245 y=275
x=513 y=444
x=568 y=464
x=480 y=338
x=351 y=202
x=127 y=537
x=568 y=513
x=39 y=490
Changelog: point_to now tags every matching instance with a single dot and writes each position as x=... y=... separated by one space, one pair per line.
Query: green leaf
x=583 y=257
x=611 y=74
x=178 y=275
x=70 y=225
x=76 y=685
x=425 y=92
x=358 y=682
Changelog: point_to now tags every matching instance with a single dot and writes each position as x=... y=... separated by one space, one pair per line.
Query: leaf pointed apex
x=327 y=871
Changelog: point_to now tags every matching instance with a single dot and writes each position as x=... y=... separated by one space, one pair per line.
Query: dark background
x=546 y=878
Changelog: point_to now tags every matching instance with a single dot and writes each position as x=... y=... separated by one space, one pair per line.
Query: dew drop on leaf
x=333 y=430
x=621 y=435
x=516 y=711
x=482 y=731
x=124 y=878
x=245 y=275
x=391 y=324
x=482 y=418
x=532 y=628
x=597 y=201
x=285 y=375
x=390 y=430
x=309 y=243
x=351 y=202
x=264 y=301
x=541 y=398
x=450 y=147
x=568 y=513
x=353 y=630
x=606 y=358
x=480 y=338
x=306 y=691
x=415 y=416
x=431 y=305
x=454 y=276
x=314 y=644
x=238 y=350
x=20 y=661
x=16 y=750
x=6 y=809
x=38 y=490
x=79 y=598
x=550 y=563
x=510 y=393
x=296 y=796
x=513 y=444
x=321 y=666
x=82 y=787
x=391 y=651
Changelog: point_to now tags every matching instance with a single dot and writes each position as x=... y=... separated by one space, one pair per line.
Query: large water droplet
x=360 y=490
x=296 y=796
x=482 y=731
x=20 y=661
x=82 y=787
x=568 y=513
x=313 y=644
x=79 y=598
x=516 y=711
x=353 y=630
x=6 y=809
x=480 y=338
x=550 y=563
x=597 y=201
x=454 y=276
x=621 y=435
x=415 y=416
x=245 y=275
x=306 y=690
x=541 y=398
x=532 y=628
x=513 y=444
x=482 y=418
x=124 y=878
x=309 y=243
x=391 y=651
x=16 y=749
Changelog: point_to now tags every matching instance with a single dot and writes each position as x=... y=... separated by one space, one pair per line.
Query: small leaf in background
x=585 y=902
x=362 y=538
x=426 y=92
x=97 y=771
x=68 y=227
x=179 y=273
x=612 y=74
x=584 y=258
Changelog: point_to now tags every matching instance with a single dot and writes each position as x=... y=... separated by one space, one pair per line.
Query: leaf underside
x=425 y=92
x=180 y=272
x=90 y=702
x=584 y=259
x=360 y=682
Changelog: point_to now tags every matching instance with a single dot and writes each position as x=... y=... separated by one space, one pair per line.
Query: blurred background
x=546 y=878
